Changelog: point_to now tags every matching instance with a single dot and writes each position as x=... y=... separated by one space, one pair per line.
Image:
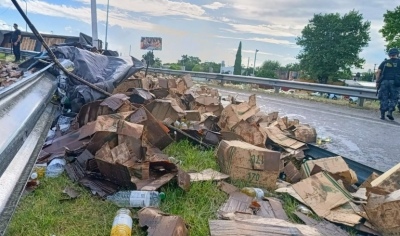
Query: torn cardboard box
x=237 y=202
x=321 y=193
x=388 y=181
x=305 y=133
x=163 y=108
x=233 y=114
x=161 y=224
x=250 y=133
x=334 y=165
x=278 y=137
x=243 y=161
x=383 y=212
x=292 y=173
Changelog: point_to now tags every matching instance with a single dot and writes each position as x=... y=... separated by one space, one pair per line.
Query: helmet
x=393 y=51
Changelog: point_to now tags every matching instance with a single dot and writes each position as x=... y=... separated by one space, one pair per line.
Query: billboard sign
x=151 y=43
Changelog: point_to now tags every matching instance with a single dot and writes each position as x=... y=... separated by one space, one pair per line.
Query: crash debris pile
x=117 y=143
x=9 y=74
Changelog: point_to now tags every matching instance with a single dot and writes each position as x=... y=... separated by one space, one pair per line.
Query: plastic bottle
x=137 y=199
x=122 y=224
x=254 y=192
x=55 y=168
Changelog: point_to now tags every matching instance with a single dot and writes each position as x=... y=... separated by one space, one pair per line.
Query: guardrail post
x=361 y=102
x=277 y=89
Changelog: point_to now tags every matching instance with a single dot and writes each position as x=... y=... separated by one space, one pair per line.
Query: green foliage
x=269 y=69
x=149 y=58
x=332 y=43
x=157 y=62
x=237 y=70
x=293 y=67
x=189 y=62
x=391 y=28
x=367 y=76
x=216 y=67
x=197 y=68
x=175 y=67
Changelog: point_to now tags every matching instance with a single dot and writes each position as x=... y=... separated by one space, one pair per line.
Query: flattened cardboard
x=115 y=101
x=161 y=224
x=277 y=208
x=159 y=182
x=207 y=100
x=383 y=212
x=208 y=174
x=334 y=165
x=388 y=181
x=243 y=161
x=344 y=215
x=324 y=227
x=188 y=81
x=121 y=155
x=278 y=137
x=250 y=133
x=193 y=115
x=237 y=202
x=227 y=188
x=321 y=193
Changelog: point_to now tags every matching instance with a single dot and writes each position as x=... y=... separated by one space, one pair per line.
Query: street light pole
x=26 y=13
x=255 y=58
x=374 y=77
x=248 y=61
x=105 y=41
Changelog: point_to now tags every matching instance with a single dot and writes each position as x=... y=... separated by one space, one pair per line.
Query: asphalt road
x=357 y=134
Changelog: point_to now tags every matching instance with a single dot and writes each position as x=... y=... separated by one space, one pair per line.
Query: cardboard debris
x=334 y=165
x=290 y=190
x=323 y=227
x=71 y=192
x=227 y=188
x=237 y=202
x=243 y=161
x=321 y=193
x=9 y=74
x=115 y=101
x=271 y=208
x=367 y=182
x=305 y=133
x=233 y=114
x=161 y=224
x=278 y=137
x=193 y=115
x=292 y=174
x=388 y=181
x=345 y=215
x=360 y=194
x=383 y=212
x=250 y=133
x=208 y=174
x=255 y=225
x=163 y=108
x=183 y=180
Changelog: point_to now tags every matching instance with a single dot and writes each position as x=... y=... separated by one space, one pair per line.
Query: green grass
x=41 y=213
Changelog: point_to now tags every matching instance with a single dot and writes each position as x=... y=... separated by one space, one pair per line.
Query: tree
x=149 y=58
x=293 y=67
x=175 y=66
x=332 y=43
x=268 y=69
x=189 y=62
x=157 y=62
x=237 y=69
x=391 y=28
x=198 y=68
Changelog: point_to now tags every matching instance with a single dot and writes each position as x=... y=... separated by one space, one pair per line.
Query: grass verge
x=41 y=212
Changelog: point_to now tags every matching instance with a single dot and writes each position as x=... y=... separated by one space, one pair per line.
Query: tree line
x=330 y=48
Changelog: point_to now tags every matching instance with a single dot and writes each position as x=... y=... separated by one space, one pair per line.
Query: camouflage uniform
x=388 y=96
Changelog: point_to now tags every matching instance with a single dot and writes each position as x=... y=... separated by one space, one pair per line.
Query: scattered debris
x=161 y=224
x=208 y=174
x=388 y=182
x=71 y=192
x=9 y=74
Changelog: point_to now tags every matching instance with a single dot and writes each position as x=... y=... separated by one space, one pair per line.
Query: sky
x=210 y=30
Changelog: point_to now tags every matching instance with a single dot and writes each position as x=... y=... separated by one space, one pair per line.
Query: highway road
x=357 y=134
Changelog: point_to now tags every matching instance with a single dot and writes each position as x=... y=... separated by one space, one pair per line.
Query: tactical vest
x=392 y=69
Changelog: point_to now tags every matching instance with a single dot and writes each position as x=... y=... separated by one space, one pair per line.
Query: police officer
x=388 y=92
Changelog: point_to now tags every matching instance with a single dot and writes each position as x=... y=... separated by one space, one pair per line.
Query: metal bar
x=51 y=54
x=323 y=88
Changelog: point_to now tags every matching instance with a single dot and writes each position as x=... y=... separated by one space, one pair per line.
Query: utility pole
x=255 y=58
x=374 y=77
x=95 y=39
x=248 y=61
x=105 y=41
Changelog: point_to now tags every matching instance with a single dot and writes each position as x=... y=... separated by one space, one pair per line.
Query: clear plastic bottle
x=55 y=168
x=254 y=192
x=137 y=199
x=122 y=224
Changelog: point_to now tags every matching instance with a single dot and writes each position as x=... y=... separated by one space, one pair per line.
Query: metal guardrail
x=25 y=118
x=24 y=53
x=277 y=83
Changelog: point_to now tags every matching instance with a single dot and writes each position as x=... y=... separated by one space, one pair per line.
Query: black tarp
x=105 y=72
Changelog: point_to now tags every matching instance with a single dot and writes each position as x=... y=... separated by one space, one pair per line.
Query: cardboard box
x=383 y=212
x=321 y=193
x=250 y=133
x=388 y=181
x=278 y=137
x=243 y=161
x=305 y=133
x=334 y=165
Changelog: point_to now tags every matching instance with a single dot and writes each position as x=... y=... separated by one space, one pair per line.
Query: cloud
x=272 y=30
x=4 y=25
x=214 y=5
x=156 y=7
x=68 y=29
x=265 y=40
